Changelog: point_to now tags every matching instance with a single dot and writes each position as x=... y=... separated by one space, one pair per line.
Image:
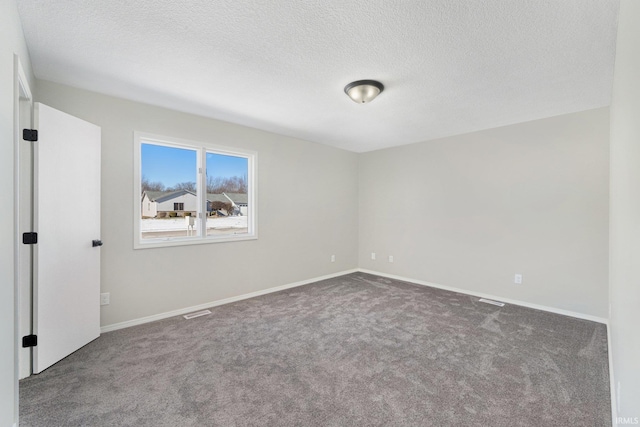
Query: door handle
x=96 y=243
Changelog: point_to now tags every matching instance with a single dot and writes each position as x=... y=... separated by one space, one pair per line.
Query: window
x=192 y=193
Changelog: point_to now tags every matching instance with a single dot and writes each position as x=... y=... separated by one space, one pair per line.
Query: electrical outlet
x=104 y=298
x=517 y=279
x=333 y=258
x=390 y=258
x=373 y=255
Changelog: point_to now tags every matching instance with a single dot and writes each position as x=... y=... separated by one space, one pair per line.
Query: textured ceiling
x=449 y=67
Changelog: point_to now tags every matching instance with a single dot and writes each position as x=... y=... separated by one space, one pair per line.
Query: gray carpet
x=357 y=350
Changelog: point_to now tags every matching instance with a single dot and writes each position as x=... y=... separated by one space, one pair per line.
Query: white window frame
x=202 y=149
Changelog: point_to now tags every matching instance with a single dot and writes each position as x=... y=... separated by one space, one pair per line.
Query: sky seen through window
x=172 y=165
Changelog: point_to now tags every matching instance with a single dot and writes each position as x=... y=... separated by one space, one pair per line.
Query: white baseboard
x=612 y=382
x=186 y=310
x=493 y=297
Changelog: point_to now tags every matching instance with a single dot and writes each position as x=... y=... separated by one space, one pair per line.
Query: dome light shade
x=363 y=91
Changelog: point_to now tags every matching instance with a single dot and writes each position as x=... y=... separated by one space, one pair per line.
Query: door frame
x=21 y=89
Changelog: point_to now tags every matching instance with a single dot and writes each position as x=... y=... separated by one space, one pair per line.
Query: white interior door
x=67 y=220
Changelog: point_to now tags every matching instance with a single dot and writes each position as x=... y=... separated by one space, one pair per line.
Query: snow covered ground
x=177 y=224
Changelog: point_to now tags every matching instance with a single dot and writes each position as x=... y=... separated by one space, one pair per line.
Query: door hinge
x=29 y=341
x=30 y=238
x=30 y=134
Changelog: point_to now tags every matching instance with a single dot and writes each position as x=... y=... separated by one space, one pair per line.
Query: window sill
x=189 y=241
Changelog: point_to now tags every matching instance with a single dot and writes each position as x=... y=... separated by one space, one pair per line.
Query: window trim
x=201 y=148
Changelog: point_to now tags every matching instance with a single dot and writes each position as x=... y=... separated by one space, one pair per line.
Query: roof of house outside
x=238 y=198
x=163 y=196
x=211 y=197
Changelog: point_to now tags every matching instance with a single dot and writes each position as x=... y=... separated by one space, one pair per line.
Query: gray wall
x=11 y=42
x=307 y=211
x=470 y=211
x=625 y=213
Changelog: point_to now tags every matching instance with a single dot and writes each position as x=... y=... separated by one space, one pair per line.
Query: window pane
x=169 y=192
x=227 y=194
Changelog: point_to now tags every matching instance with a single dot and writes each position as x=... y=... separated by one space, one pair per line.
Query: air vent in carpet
x=490 y=301
x=196 y=314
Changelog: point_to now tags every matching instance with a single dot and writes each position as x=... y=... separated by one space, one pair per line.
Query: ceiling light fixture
x=363 y=91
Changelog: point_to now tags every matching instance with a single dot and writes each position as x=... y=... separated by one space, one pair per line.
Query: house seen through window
x=193 y=193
